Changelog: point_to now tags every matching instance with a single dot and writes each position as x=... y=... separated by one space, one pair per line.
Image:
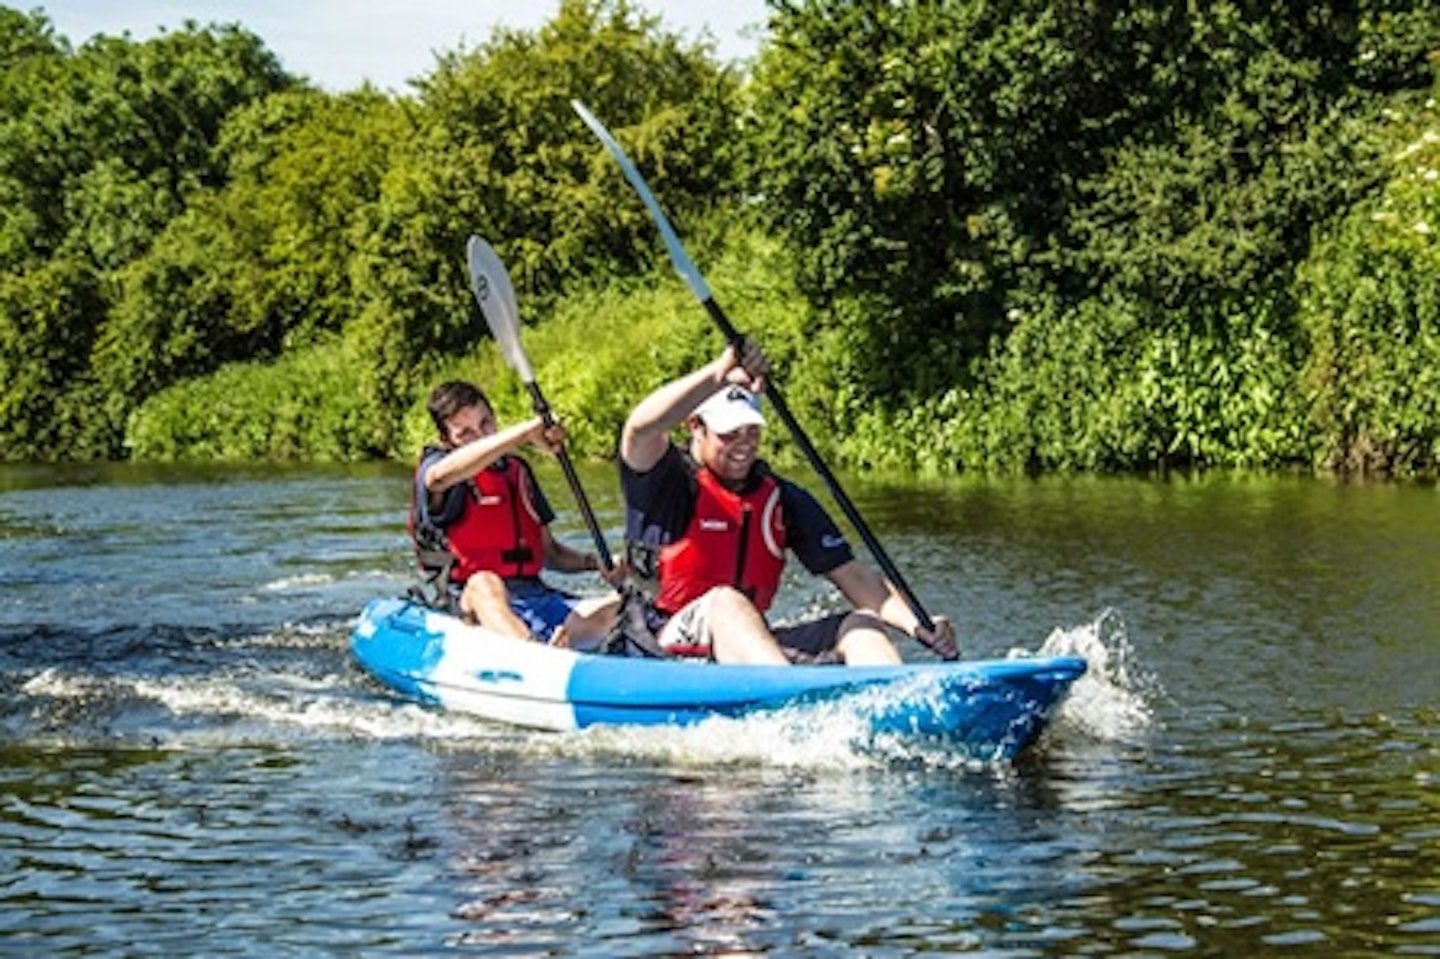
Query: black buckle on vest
x=520 y=554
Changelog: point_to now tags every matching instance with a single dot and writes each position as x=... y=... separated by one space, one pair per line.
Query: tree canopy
x=1017 y=235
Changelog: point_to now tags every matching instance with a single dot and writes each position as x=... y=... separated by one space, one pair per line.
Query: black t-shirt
x=660 y=502
x=453 y=499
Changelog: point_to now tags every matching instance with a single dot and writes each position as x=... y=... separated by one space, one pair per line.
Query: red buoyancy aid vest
x=733 y=539
x=499 y=529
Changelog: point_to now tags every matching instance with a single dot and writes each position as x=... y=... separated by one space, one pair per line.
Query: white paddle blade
x=493 y=290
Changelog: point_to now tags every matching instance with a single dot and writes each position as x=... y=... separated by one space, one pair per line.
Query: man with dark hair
x=481 y=526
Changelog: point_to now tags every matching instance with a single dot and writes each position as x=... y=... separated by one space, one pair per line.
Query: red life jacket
x=733 y=539
x=498 y=528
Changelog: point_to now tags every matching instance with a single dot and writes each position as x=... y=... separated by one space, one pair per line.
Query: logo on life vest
x=489 y=500
x=714 y=525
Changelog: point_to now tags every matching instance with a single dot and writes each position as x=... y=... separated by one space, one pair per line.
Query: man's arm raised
x=647 y=430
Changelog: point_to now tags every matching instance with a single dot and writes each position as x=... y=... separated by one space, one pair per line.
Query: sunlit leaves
x=101 y=150
x=1067 y=234
x=1370 y=306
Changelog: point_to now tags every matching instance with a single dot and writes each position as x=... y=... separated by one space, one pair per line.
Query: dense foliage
x=1067 y=235
x=980 y=235
x=224 y=213
x=1369 y=313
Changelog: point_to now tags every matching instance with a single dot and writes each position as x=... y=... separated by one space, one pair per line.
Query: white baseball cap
x=729 y=409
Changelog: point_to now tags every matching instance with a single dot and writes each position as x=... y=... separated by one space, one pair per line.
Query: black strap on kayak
x=433 y=590
x=630 y=634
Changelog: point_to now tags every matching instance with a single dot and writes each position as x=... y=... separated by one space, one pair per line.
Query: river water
x=194 y=766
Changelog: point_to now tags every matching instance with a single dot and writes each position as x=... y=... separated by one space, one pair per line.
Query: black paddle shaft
x=777 y=402
x=542 y=409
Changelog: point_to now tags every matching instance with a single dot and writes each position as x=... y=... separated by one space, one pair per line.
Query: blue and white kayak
x=994 y=708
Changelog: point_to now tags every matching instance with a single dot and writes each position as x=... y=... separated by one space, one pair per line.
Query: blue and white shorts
x=541 y=607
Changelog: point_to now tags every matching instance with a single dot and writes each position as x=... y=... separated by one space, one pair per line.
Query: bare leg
x=487 y=602
x=863 y=641
x=588 y=623
x=738 y=633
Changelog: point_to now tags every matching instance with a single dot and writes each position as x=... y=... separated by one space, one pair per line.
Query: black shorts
x=812 y=641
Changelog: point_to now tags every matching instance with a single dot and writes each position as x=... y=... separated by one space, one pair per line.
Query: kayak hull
x=995 y=708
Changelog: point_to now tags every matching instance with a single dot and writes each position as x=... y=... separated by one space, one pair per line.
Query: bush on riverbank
x=1330 y=363
x=594 y=355
x=1369 y=310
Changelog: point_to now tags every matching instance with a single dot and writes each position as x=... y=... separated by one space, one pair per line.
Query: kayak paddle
x=688 y=272
x=493 y=290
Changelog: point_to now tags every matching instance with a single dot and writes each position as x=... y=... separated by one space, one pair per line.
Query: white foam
x=1112 y=701
x=827 y=736
x=246 y=704
x=57 y=685
x=299 y=581
x=253 y=708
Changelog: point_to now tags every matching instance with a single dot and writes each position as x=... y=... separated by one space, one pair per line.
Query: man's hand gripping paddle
x=493 y=290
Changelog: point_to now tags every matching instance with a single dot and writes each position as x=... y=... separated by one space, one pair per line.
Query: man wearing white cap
x=708 y=530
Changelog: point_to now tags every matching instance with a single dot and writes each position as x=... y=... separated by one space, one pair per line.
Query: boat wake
x=1111 y=703
x=181 y=687
x=159 y=688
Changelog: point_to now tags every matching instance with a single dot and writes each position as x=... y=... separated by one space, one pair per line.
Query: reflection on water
x=1306 y=834
x=1289 y=588
x=193 y=766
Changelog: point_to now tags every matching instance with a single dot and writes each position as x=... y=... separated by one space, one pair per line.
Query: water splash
x=234 y=708
x=238 y=707
x=1112 y=701
x=781 y=739
x=294 y=684
x=829 y=736
x=298 y=581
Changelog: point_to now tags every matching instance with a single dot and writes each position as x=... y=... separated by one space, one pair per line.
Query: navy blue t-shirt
x=452 y=500
x=660 y=502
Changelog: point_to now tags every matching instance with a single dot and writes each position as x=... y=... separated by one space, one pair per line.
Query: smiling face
x=468 y=424
x=729 y=456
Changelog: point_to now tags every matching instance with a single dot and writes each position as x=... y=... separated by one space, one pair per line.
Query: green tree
x=35 y=60
x=304 y=170
x=918 y=157
x=100 y=150
x=948 y=171
x=351 y=214
x=498 y=150
x=533 y=174
x=1370 y=312
x=45 y=328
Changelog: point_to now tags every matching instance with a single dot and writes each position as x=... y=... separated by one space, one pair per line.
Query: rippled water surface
x=193 y=766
